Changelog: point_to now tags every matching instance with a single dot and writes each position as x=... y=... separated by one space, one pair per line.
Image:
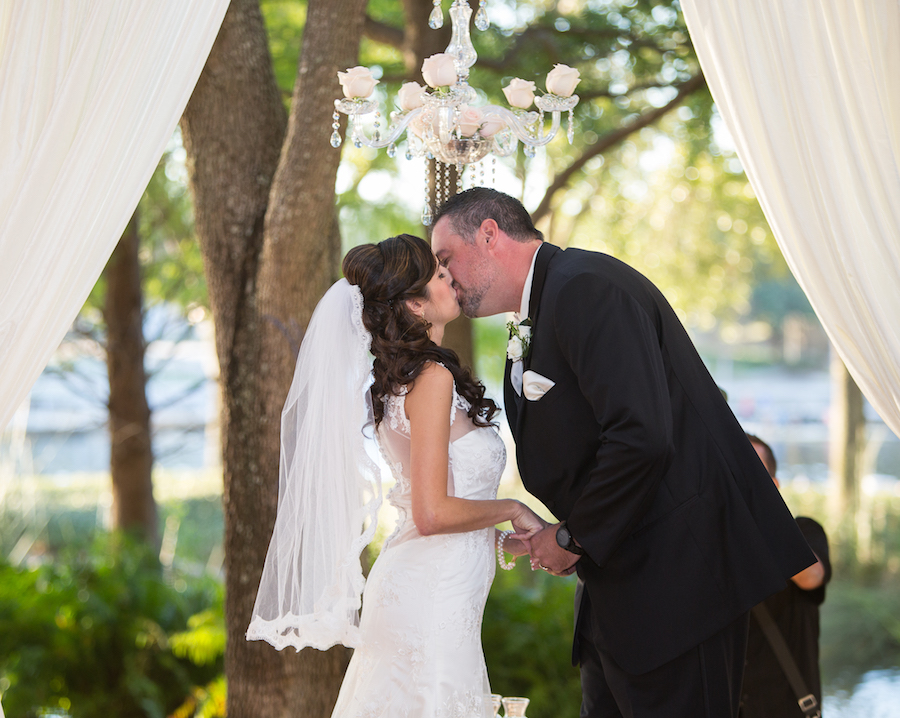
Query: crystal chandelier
x=441 y=121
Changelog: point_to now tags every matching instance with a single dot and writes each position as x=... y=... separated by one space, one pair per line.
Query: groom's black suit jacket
x=637 y=450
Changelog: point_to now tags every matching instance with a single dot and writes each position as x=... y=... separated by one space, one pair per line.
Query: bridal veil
x=329 y=489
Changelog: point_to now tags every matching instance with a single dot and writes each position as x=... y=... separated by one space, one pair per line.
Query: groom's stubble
x=482 y=275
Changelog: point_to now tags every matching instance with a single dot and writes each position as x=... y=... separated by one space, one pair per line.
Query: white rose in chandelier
x=357 y=82
x=519 y=93
x=410 y=96
x=469 y=120
x=439 y=70
x=562 y=79
x=491 y=125
x=420 y=121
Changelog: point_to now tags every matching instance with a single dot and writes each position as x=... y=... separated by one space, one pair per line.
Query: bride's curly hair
x=387 y=274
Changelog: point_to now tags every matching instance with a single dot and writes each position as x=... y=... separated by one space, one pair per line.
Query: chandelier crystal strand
x=442 y=121
x=437 y=184
x=436 y=18
x=481 y=17
x=336 y=126
x=426 y=211
x=447 y=169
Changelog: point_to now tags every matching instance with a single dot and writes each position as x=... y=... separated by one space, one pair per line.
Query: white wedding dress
x=420 y=655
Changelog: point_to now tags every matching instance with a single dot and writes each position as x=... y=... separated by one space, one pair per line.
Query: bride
x=418 y=642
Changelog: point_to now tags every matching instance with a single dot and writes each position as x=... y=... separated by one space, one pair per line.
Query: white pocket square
x=534 y=386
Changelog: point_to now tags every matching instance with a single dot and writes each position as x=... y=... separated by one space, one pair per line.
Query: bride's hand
x=526 y=524
x=516 y=547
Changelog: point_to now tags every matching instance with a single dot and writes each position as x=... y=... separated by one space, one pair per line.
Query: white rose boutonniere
x=519 y=341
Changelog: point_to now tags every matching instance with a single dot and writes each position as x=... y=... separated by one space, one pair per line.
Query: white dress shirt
x=515 y=374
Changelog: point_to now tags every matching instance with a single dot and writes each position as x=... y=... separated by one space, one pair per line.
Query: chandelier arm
x=390 y=135
x=526 y=128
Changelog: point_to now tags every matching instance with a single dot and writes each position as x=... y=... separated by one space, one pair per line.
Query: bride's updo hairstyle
x=387 y=274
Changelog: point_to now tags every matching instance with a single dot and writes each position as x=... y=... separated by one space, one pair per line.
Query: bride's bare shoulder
x=434 y=383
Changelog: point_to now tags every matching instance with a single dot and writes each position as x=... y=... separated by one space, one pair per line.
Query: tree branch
x=383 y=33
x=614 y=138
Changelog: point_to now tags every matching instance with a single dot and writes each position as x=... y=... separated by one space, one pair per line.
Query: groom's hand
x=547 y=554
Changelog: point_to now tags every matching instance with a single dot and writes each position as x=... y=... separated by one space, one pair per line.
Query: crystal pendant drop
x=357 y=143
x=530 y=151
x=436 y=19
x=426 y=215
x=335 y=139
x=481 y=19
x=392 y=150
x=409 y=154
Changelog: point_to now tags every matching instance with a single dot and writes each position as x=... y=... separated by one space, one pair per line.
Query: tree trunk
x=131 y=453
x=301 y=259
x=847 y=440
x=233 y=130
x=265 y=217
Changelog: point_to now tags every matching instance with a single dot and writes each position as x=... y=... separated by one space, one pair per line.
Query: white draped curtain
x=810 y=91
x=90 y=92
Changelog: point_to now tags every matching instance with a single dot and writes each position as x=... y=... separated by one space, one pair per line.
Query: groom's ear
x=489 y=232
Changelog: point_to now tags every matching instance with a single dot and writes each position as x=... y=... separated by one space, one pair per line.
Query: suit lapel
x=545 y=253
x=510 y=399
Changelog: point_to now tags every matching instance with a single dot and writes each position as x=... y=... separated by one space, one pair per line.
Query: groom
x=670 y=520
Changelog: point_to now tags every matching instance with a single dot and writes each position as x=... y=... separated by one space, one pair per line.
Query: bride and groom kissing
x=666 y=514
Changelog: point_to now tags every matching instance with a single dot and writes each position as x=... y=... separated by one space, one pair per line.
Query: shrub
x=527 y=639
x=91 y=633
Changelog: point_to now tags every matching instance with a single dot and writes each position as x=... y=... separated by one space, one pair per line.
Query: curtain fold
x=90 y=92
x=810 y=91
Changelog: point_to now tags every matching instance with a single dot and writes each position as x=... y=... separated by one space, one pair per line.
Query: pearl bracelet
x=501 y=559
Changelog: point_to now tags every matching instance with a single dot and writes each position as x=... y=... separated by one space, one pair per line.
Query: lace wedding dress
x=420 y=654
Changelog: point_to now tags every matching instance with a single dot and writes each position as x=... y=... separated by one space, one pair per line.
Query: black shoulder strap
x=806 y=700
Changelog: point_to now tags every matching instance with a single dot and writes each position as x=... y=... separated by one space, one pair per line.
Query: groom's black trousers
x=704 y=682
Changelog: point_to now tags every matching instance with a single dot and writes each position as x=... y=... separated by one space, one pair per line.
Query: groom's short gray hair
x=467 y=210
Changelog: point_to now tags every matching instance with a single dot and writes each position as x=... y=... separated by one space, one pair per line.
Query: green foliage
x=687 y=219
x=285 y=20
x=860 y=630
x=204 y=641
x=527 y=639
x=92 y=634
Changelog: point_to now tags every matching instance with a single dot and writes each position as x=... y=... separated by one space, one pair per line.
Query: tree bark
x=847 y=440
x=264 y=198
x=131 y=452
x=300 y=260
x=233 y=129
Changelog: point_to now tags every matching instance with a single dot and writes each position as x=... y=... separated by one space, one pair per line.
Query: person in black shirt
x=766 y=692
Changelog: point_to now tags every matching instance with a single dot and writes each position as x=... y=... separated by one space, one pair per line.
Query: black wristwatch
x=565 y=540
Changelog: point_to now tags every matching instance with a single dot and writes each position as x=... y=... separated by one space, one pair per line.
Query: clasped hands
x=537 y=538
